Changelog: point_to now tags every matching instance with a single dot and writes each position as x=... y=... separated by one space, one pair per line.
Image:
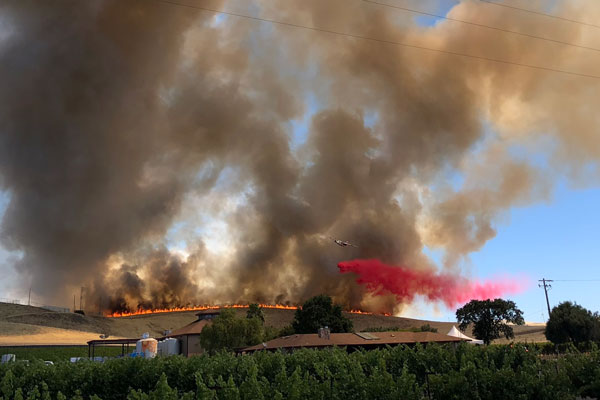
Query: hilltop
x=29 y=325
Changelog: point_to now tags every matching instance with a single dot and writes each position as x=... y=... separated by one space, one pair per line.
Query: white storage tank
x=168 y=347
x=148 y=347
x=8 y=358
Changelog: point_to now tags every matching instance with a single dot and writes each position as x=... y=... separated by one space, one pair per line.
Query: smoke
x=161 y=156
x=405 y=283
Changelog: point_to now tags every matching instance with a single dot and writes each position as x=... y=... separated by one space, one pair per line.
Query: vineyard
x=431 y=372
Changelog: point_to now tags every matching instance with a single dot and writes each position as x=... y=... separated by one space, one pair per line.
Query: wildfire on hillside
x=202 y=308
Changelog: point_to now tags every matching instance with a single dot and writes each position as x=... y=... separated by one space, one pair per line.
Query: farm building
x=187 y=336
x=359 y=340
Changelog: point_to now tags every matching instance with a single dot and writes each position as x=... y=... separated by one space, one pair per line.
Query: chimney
x=327 y=333
x=321 y=332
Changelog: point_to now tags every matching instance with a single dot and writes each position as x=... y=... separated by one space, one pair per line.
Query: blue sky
x=442 y=8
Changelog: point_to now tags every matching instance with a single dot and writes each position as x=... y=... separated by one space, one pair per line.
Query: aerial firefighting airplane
x=342 y=243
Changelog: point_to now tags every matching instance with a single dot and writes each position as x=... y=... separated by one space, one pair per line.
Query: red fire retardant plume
x=406 y=283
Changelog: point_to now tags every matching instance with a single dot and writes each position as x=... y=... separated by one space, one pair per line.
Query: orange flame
x=368 y=313
x=195 y=308
x=202 y=308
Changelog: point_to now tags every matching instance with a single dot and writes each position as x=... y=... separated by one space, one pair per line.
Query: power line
x=482 y=25
x=577 y=280
x=540 y=13
x=384 y=41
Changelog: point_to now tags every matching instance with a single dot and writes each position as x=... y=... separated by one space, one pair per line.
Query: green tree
x=571 y=322
x=490 y=318
x=286 y=331
x=228 y=332
x=428 y=328
x=255 y=311
x=7 y=384
x=319 y=312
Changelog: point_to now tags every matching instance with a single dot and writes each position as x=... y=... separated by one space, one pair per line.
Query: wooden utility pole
x=546 y=286
x=81 y=298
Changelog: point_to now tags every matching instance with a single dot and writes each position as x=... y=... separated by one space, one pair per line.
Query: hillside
x=26 y=324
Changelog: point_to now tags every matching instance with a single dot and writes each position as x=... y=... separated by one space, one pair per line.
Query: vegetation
x=286 y=331
x=436 y=372
x=228 y=332
x=255 y=311
x=571 y=323
x=319 y=312
x=427 y=328
x=490 y=318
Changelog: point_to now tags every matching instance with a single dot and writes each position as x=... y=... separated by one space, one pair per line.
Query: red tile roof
x=353 y=339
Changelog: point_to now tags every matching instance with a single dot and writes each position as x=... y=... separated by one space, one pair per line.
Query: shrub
x=572 y=323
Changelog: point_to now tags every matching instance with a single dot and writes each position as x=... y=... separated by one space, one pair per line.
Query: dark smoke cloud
x=79 y=132
x=122 y=119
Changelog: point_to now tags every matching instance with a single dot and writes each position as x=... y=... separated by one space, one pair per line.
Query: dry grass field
x=20 y=325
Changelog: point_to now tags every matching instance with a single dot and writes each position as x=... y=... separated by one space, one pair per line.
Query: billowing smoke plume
x=405 y=283
x=162 y=155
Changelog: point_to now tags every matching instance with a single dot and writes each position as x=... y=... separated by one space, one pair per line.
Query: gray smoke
x=129 y=127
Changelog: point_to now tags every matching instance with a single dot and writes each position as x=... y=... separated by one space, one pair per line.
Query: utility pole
x=29 y=300
x=74 y=308
x=81 y=298
x=546 y=286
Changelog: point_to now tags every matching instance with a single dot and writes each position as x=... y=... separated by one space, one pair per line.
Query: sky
x=555 y=239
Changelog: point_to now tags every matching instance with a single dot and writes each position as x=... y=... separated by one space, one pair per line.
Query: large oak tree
x=490 y=318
